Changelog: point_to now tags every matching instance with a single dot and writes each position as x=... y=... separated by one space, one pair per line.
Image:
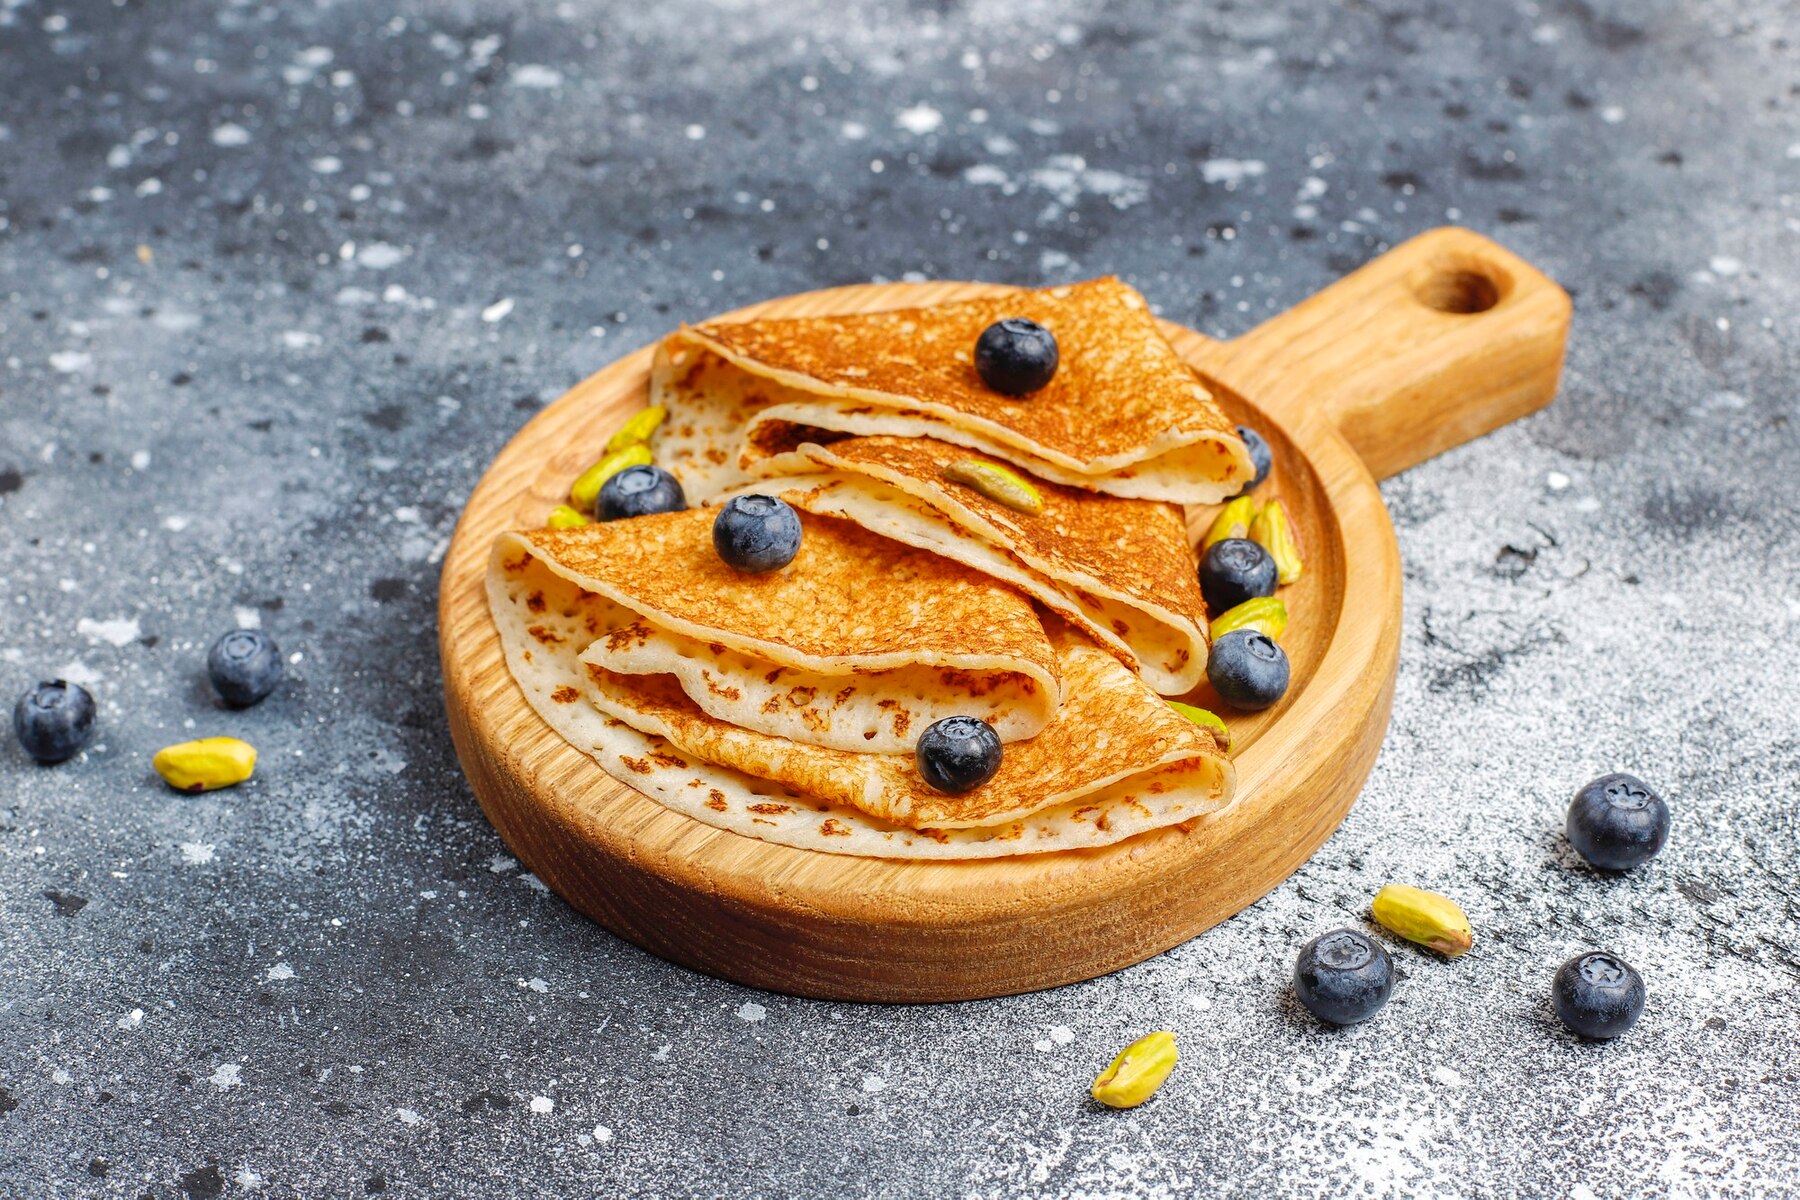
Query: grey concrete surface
x=276 y=280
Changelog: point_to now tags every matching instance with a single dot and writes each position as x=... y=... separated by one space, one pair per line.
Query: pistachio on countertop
x=1140 y=1069
x=206 y=764
x=1423 y=917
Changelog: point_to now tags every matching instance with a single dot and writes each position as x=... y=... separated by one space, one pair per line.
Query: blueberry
x=245 y=666
x=1247 y=669
x=638 y=492
x=1261 y=457
x=54 y=721
x=1016 y=356
x=1617 y=822
x=1598 y=995
x=756 y=533
x=1343 y=977
x=1233 y=571
x=958 y=754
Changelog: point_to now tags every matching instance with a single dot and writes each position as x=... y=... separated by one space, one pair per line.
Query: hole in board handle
x=1462 y=289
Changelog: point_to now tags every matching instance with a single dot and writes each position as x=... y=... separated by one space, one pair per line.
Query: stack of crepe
x=787 y=706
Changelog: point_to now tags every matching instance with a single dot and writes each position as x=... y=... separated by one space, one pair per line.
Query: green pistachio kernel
x=1265 y=614
x=1206 y=720
x=586 y=490
x=206 y=764
x=642 y=424
x=564 y=517
x=1233 y=521
x=1140 y=1069
x=997 y=484
x=1275 y=533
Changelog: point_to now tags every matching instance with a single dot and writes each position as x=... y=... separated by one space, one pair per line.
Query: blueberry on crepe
x=958 y=754
x=1015 y=356
x=756 y=534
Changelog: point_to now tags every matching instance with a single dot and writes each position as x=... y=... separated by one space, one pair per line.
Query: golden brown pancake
x=1111 y=740
x=545 y=621
x=858 y=644
x=1120 y=569
x=1124 y=413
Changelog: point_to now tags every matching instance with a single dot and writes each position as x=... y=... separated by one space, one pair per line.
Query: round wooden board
x=835 y=926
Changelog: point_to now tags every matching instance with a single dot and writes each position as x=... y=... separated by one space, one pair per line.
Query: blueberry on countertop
x=756 y=533
x=54 y=721
x=1261 y=456
x=1247 y=669
x=245 y=666
x=1616 y=822
x=1343 y=977
x=1233 y=571
x=638 y=492
x=1016 y=356
x=1598 y=995
x=958 y=754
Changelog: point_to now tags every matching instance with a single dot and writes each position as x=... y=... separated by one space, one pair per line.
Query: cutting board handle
x=1438 y=341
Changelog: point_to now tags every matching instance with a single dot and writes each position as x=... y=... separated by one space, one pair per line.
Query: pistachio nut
x=1265 y=614
x=642 y=424
x=206 y=764
x=1423 y=917
x=1233 y=521
x=586 y=490
x=564 y=517
x=1139 y=1070
x=1273 y=532
x=997 y=484
x=1206 y=720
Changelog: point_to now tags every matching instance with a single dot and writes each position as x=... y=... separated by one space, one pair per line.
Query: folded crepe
x=1122 y=570
x=858 y=644
x=1115 y=761
x=1124 y=415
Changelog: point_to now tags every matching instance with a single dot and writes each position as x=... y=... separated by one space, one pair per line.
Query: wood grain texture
x=1380 y=359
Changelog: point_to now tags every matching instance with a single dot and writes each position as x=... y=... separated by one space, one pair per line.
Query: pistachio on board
x=637 y=428
x=1233 y=521
x=586 y=488
x=564 y=517
x=1205 y=719
x=1265 y=614
x=1275 y=533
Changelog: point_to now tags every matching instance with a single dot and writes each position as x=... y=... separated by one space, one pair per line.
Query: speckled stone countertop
x=277 y=280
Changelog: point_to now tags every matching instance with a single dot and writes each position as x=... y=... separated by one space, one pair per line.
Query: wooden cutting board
x=1432 y=344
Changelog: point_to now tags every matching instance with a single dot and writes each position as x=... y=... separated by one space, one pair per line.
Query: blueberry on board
x=245 y=666
x=958 y=754
x=756 y=533
x=1598 y=995
x=1343 y=977
x=1247 y=669
x=638 y=492
x=54 y=721
x=1261 y=457
x=1016 y=356
x=1233 y=571
x=1616 y=822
